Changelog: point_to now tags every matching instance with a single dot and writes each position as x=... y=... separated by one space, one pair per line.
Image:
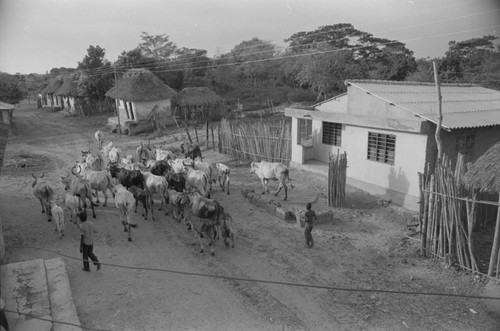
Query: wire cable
x=251 y=280
x=52 y=321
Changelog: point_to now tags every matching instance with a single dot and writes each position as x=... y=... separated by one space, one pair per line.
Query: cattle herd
x=181 y=186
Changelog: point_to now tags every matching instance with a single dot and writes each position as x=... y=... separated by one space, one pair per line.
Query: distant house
x=387 y=129
x=6 y=112
x=48 y=92
x=137 y=93
x=67 y=93
x=197 y=103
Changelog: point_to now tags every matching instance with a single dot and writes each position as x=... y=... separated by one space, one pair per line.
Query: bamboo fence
x=256 y=140
x=449 y=214
x=337 y=167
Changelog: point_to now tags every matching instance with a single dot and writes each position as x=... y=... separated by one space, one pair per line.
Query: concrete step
x=40 y=288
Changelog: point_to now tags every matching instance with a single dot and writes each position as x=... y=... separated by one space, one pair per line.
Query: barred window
x=381 y=147
x=304 y=136
x=332 y=133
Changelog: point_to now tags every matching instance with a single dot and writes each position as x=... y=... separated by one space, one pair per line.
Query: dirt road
x=361 y=247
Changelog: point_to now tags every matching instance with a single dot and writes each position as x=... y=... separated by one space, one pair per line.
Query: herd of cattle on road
x=182 y=185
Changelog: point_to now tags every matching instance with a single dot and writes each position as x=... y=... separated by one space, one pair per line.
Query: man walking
x=87 y=230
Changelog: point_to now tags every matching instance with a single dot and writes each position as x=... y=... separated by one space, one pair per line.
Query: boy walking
x=87 y=230
x=310 y=216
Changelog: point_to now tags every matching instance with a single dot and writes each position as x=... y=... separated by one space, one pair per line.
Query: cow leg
x=105 y=198
x=212 y=243
x=96 y=197
x=151 y=209
x=92 y=206
x=199 y=239
x=43 y=206
x=279 y=190
x=129 y=233
x=227 y=183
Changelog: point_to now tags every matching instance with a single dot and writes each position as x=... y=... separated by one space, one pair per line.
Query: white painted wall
x=402 y=176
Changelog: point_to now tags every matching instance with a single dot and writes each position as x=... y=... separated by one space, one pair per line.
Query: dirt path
x=359 y=247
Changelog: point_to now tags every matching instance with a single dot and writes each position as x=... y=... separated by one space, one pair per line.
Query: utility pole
x=440 y=113
x=117 y=105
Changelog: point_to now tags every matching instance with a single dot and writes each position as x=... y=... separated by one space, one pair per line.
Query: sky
x=38 y=35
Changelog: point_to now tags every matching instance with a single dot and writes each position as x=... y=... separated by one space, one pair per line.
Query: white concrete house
x=387 y=129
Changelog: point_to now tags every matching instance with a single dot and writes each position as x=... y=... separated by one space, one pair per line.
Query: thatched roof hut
x=68 y=87
x=54 y=84
x=484 y=173
x=197 y=96
x=139 y=85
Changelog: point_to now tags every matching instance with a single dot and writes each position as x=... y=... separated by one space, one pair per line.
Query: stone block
x=279 y=212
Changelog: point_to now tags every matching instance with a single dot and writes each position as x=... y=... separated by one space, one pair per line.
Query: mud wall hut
x=198 y=103
x=137 y=93
x=68 y=92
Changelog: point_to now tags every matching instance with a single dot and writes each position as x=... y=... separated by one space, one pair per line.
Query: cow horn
x=34 y=176
x=72 y=169
x=42 y=175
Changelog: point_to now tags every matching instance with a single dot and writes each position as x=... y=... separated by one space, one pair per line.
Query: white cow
x=125 y=203
x=58 y=215
x=99 y=137
x=223 y=171
x=154 y=184
x=274 y=171
x=161 y=154
x=72 y=202
x=43 y=192
x=197 y=180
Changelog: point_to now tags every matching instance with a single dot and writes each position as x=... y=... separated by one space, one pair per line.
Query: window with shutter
x=332 y=133
x=381 y=147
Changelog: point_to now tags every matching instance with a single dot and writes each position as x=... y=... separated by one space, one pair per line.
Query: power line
x=251 y=280
x=334 y=30
x=183 y=60
x=52 y=321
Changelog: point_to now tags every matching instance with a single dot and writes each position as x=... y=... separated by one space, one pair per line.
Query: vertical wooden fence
x=256 y=140
x=337 y=167
x=449 y=214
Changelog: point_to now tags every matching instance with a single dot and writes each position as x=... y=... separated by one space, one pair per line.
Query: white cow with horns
x=274 y=171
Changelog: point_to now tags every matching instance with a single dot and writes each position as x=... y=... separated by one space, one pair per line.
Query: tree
x=96 y=76
x=134 y=59
x=158 y=47
x=193 y=64
x=337 y=52
x=423 y=73
x=9 y=89
x=466 y=56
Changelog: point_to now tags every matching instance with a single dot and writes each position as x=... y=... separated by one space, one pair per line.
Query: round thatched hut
x=137 y=93
x=484 y=176
x=198 y=103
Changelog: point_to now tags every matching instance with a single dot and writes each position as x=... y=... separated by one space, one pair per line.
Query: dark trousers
x=308 y=235
x=3 y=320
x=88 y=253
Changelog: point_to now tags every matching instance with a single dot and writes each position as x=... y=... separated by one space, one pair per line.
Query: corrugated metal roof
x=4 y=105
x=463 y=105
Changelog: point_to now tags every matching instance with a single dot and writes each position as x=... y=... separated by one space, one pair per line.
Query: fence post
x=207 y=140
x=189 y=136
x=213 y=140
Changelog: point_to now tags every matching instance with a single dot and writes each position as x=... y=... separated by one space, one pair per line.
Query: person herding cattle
x=87 y=230
x=310 y=216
